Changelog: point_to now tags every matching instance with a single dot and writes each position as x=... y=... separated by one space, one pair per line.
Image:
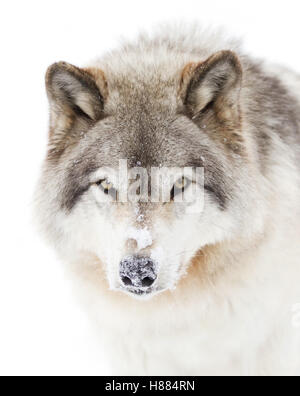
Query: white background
x=42 y=330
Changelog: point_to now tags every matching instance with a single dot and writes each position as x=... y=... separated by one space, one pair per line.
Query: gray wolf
x=176 y=291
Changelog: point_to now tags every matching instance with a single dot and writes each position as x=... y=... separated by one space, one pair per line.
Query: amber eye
x=179 y=187
x=107 y=187
x=181 y=183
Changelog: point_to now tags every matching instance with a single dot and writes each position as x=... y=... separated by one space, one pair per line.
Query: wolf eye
x=179 y=187
x=107 y=187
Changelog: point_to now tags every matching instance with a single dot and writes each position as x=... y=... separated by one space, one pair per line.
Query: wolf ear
x=73 y=91
x=215 y=82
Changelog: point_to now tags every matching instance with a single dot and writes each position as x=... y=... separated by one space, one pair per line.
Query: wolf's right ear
x=74 y=94
x=73 y=89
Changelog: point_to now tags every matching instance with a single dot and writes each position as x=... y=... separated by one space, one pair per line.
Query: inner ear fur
x=214 y=83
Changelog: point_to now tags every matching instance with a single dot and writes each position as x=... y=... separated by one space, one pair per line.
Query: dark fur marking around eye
x=77 y=184
x=216 y=183
x=218 y=195
x=72 y=196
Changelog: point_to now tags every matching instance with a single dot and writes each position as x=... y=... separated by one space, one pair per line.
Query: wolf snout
x=138 y=274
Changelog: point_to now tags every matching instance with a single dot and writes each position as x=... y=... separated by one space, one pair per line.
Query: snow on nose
x=138 y=272
x=142 y=237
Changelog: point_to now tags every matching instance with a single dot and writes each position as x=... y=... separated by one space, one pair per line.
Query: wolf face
x=167 y=115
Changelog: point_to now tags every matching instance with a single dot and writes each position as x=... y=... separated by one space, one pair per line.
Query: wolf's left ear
x=215 y=82
x=73 y=91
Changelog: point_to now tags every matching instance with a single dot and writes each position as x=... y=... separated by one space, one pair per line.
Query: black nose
x=138 y=272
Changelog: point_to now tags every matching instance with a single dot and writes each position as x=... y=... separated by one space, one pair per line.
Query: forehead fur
x=173 y=142
x=154 y=63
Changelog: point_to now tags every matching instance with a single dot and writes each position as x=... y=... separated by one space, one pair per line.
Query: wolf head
x=148 y=113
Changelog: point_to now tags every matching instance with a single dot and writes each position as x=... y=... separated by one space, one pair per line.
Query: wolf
x=175 y=291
